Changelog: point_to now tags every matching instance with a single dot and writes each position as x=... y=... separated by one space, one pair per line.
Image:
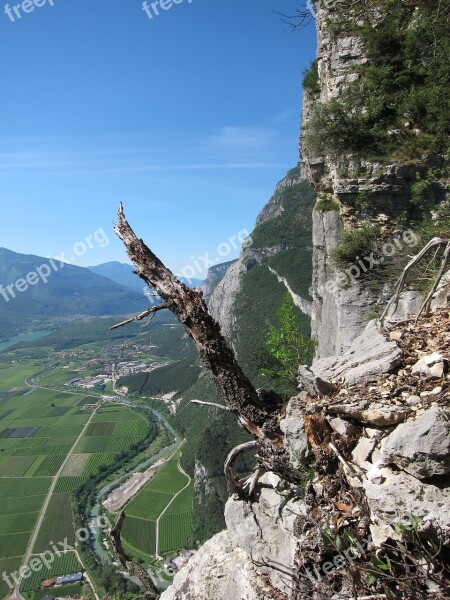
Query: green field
x=175 y=531
x=18 y=487
x=142 y=532
x=143 y=510
x=57 y=525
x=62 y=565
x=38 y=428
x=13 y=544
x=18 y=523
x=21 y=505
x=14 y=376
x=8 y=565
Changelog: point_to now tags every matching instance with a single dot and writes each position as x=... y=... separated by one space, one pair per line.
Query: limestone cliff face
x=340 y=314
x=275 y=260
x=214 y=277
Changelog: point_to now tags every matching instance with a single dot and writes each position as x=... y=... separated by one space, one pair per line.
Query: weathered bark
x=233 y=484
x=150 y=589
x=259 y=412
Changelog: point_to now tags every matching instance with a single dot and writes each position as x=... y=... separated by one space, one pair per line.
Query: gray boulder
x=369 y=357
x=219 y=571
x=257 y=528
x=293 y=427
x=395 y=497
x=421 y=447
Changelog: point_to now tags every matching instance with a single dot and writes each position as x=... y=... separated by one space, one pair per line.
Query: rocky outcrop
x=257 y=528
x=274 y=207
x=220 y=571
x=261 y=250
x=369 y=357
x=221 y=301
x=395 y=497
x=421 y=447
x=339 y=314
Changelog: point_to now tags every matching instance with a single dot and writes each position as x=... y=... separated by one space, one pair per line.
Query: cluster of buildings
x=97 y=382
x=60 y=581
x=119 y=370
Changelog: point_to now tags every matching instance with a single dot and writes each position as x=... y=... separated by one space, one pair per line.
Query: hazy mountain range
x=34 y=289
x=122 y=273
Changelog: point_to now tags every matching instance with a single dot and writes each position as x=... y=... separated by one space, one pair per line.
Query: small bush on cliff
x=355 y=245
x=286 y=346
x=311 y=79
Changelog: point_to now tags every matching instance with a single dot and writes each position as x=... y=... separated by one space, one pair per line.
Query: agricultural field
x=62 y=565
x=38 y=429
x=57 y=525
x=163 y=494
x=40 y=439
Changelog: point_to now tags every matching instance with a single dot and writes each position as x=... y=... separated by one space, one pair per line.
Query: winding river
x=96 y=531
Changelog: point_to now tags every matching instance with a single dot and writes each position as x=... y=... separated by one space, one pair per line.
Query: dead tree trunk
x=151 y=591
x=259 y=412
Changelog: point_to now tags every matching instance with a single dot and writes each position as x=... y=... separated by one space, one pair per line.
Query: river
x=22 y=337
x=96 y=540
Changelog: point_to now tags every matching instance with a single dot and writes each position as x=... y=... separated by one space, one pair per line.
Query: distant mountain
x=215 y=276
x=123 y=273
x=34 y=289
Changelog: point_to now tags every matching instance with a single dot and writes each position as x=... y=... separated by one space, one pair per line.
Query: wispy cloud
x=241 y=138
x=230 y=147
x=285 y=115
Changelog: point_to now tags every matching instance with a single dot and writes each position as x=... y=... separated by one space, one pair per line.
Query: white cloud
x=241 y=138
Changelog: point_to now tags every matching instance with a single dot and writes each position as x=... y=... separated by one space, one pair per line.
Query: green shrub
x=286 y=346
x=399 y=106
x=355 y=244
x=424 y=186
x=326 y=204
x=311 y=79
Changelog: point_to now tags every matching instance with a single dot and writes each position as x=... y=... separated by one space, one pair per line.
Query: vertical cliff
x=276 y=259
x=364 y=156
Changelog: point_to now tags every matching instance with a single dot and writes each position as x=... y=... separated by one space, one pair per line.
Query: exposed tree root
x=234 y=485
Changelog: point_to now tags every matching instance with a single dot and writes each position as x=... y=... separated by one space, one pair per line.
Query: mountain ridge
x=35 y=289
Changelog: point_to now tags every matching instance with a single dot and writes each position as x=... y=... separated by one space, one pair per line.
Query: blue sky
x=189 y=118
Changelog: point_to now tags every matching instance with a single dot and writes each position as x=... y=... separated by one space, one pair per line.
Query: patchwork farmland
x=159 y=517
x=38 y=430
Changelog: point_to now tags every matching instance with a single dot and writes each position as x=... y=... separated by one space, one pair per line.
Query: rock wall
x=341 y=313
x=263 y=259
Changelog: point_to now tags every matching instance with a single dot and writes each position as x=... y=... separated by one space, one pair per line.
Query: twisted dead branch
x=400 y=285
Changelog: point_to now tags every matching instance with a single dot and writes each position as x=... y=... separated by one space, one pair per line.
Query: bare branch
x=258 y=412
x=212 y=404
x=141 y=315
x=233 y=483
x=250 y=484
x=444 y=265
x=402 y=280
